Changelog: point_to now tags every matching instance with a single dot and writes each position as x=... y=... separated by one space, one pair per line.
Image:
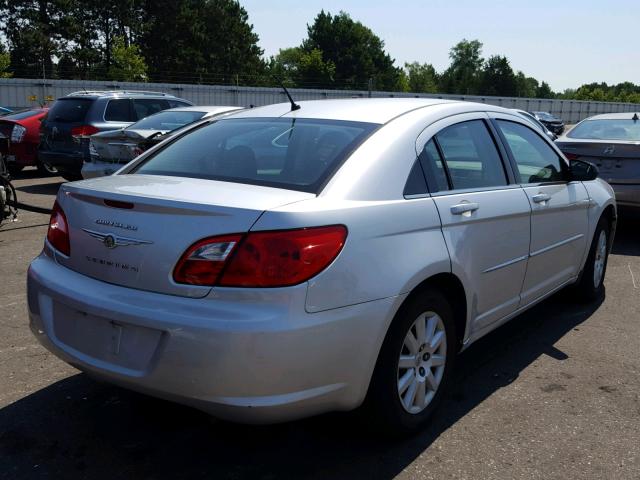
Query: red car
x=23 y=131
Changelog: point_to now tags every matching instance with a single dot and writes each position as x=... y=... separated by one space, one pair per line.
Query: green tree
x=526 y=86
x=127 y=65
x=544 y=91
x=92 y=27
x=463 y=74
x=34 y=30
x=497 y=78
x=297 y=67
x=5 y=61
x=421 y=77
x=357 y=53
x=205 y=40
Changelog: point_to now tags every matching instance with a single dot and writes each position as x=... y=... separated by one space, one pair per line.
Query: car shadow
x=627 y=240
x=41 y=189
x=78 y=428
x=29 y=173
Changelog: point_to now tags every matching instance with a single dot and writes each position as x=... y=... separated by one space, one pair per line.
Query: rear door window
x=471 y=157
x=537 y=162
x=70 y=110
x=118 y=111
x=434 y=168
x=416 y=184
x=298 y=154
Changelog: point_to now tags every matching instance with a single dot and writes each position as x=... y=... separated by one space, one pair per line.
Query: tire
x=46 y=170
x=385 y=407
x=590 y=286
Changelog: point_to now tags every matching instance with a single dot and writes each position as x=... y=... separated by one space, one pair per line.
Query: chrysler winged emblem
x=609 y=150
x=110 y=240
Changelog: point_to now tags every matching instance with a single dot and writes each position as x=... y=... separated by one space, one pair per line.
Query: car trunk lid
x=121 y=146
x=130 y=230
x=617 y=162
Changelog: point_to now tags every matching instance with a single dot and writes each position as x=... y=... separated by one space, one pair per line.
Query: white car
x=291 y=260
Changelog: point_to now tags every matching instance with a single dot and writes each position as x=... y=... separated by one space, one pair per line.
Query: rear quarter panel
x=391 y=247
x=601 y=196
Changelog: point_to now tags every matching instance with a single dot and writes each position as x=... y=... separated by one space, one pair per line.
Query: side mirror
x=583 y=171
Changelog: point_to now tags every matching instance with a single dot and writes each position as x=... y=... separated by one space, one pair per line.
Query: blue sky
x=565 y=42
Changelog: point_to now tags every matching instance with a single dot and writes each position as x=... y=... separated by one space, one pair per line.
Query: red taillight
x=202 y=263
x=262 y=259
x=571 y=156
x=58 y=233
x=83 y=131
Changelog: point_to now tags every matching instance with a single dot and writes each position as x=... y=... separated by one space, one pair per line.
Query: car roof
x=118 y=94
x=614 y=116
x=369 y=110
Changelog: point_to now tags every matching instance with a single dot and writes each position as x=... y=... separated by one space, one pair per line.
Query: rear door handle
x=462 y=208
x=541 y=197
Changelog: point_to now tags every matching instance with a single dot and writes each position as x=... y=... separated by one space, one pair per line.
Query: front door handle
x=541 y=198
x=463 y=208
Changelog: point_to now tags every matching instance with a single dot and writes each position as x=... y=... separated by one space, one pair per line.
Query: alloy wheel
x=422 y=362
x=600 y=259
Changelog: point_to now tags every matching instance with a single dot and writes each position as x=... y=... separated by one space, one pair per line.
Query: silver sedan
x=284 y=262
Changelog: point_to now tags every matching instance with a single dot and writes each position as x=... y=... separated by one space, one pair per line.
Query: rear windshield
x=613 y=129
x=297 y=154
x=22 y=115
x=69 y=110
x=167 y=120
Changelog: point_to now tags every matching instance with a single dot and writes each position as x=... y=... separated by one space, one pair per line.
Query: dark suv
x=554 y=124
x=64 y=134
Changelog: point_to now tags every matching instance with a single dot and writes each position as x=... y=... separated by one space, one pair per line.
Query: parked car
x=73 y=119
x=612 y=143
x=23 y=131
x=291 y=260
x=538 y=124
x=109 y=151
x=5 y=111
x=552 y=123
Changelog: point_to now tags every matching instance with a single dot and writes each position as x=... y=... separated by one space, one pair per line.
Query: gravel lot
x=553 y=394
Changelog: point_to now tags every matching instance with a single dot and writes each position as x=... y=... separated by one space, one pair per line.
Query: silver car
x=109 y=151
x=612 y=142
x=280 y=262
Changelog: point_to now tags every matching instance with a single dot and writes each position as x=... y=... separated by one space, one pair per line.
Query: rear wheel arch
x=610 y=214
x=443 y=294
x=453 y=289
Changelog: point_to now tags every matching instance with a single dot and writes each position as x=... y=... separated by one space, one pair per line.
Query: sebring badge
x=112 y=241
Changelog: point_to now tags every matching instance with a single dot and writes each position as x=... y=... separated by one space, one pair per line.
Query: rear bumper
x=22 y=154
x=245 y=355
x=95 y=169
x=627 y=195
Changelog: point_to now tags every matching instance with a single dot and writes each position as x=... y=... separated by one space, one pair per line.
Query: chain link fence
x=20 y=93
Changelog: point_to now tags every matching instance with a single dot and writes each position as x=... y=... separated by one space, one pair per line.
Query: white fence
x=16 y=92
